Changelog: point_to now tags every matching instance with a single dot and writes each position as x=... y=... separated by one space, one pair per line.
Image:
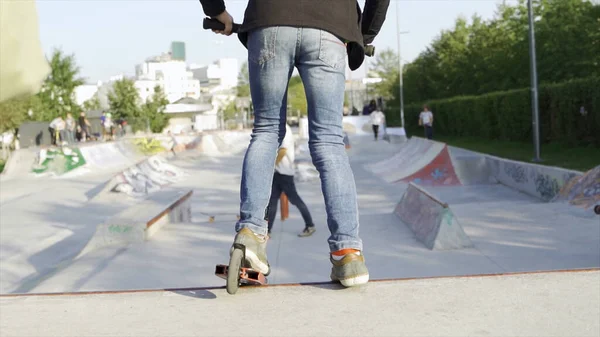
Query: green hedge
x=507 y=115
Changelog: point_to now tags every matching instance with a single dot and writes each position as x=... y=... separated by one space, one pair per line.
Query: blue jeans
x=285 y=183
x=428 y=131
x=320 y=58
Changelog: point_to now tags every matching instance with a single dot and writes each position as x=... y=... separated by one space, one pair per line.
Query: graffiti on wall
x=546 y=186
x=147 y=177
x=582 y=191
x=58 y=160
x=431 y=221
x=517 y=172
x=544 y=182
x=420 y=213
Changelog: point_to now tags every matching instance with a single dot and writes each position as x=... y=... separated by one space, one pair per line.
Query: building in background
x=86 y=92
x=189 y=114
x=218 y=81
x=178 y=51
x=220 y=76
x=196 y=93
x=169 y=71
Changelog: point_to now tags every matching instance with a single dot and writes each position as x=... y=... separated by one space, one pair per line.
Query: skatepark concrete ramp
x=139 y=222
x=68 y=160
x=110 y=155
x=52 y=161
x=555 y=303
x=19 y=164
x=542 y=182
x=429 y=163
x=421 y=161
x=225 y=143
x=582 y=190
x=431 y=220
x=148 y=176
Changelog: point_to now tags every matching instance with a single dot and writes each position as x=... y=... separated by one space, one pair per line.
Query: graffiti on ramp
x=440 y=171
x=432 y=221
x=146 y=177
x=582 y=191
x=58 y=161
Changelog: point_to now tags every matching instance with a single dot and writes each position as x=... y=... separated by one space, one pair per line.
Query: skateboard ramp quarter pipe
x=421 y=161
x=225 y=143
x=439 y=171
x=19 y=164
x=412 y=157
x=431 y=220
x=110 y=155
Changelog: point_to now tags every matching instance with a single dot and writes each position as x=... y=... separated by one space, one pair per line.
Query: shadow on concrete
x=196 y=293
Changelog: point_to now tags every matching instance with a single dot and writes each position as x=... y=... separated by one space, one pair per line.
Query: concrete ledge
x=140 y=222
x=542 y=304
x=431 y=220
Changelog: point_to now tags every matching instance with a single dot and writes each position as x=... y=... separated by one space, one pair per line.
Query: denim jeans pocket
x=261 y=44
x=332 y=51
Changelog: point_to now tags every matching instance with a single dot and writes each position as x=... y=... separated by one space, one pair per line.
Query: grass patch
x=2 y=163
x=561 y=155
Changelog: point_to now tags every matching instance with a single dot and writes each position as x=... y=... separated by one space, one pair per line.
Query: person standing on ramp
x=377 y=118
x=315 y=37
x=283 y=181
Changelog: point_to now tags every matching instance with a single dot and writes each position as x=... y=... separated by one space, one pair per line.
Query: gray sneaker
x=308 y=231
x=256 y=250
x=350 y=271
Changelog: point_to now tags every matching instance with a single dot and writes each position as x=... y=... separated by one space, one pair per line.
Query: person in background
x=84 y=126
x=70 y=129
x=57 y=130
x=102 y=127
x=283 y=181
x=369 y=108
x=108 y=127
x=7 y=139
x=426 y=120
x=377 y=119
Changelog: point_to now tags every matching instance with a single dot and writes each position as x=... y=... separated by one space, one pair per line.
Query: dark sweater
x=342 y=18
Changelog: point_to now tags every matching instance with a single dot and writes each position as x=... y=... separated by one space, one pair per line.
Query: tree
x=56 y=97
x=243 y=87
x=385 y=67
x=153 y=110
x=476 y=56
x=14 y=111
x=123 y=102
x=228 y=110
x=297 y=96
x=92 y=104
x=124 y=99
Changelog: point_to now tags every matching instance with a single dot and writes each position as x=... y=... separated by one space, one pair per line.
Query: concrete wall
x=540 y=181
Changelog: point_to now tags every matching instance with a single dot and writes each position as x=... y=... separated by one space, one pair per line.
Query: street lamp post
x=534 y=88
x=400 y=63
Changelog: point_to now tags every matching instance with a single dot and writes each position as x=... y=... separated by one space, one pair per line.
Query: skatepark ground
x=415 y=290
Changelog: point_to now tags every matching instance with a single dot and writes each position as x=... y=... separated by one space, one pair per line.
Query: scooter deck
x=247 y=275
